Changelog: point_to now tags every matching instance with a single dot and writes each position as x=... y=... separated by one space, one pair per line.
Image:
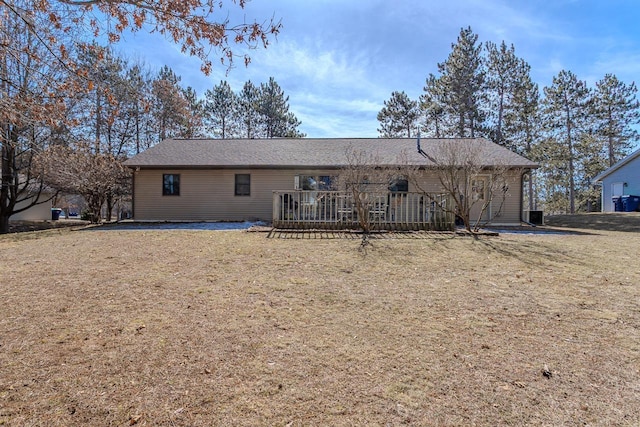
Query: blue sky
x=339 y=60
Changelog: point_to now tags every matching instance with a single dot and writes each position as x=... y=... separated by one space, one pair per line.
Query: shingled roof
x=307 y=152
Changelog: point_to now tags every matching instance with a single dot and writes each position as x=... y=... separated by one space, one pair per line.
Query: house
x=256 y=179
x=38 y=212
x=33 y=201
x=621 y=179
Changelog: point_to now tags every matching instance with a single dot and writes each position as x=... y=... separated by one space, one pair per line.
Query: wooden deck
x=336 y=210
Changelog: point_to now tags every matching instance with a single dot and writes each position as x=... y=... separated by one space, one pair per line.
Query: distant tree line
x=485 y=90
x=62 y=96
x=107 y=108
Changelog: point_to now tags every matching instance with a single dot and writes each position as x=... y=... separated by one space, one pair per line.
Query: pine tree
x=501 y=77
x=99 y=110
x=617 y=110
x=220 y=110
x=275 y=118
x=461 y=84
x=170 y=108
x=139 y=106
x=247 y=110
x=591 y=162
x=433 y=107
x=522 y=124
x=565 y=106
x=194 y=123
x=398 y=116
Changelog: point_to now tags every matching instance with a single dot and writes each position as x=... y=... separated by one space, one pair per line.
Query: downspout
x=522 y=198
x=133 y=194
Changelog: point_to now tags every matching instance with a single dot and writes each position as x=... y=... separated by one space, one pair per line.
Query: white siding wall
x=630 y=174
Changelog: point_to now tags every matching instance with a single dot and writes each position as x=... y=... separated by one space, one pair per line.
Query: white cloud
x=339 y=61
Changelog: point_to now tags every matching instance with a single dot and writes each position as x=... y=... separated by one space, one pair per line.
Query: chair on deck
x=289 y=206
x=378 y=210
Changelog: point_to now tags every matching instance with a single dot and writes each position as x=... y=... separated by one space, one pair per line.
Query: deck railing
x=379 y=211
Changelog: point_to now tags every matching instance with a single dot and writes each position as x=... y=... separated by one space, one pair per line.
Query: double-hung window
x=243 y=184
x=170 y=184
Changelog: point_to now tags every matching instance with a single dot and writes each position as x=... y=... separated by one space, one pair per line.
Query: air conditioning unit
x=534 y=217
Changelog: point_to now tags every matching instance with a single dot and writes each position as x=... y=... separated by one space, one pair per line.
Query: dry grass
x=192 y=328
x=607 y=221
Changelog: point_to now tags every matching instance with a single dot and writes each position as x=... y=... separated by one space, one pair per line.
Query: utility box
x=534 y=217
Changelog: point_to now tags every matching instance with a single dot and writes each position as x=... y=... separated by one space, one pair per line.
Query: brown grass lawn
x=197 y=328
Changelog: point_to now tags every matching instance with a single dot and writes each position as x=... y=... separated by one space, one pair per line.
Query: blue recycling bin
x=617 y=203
x=55 y=214
x=630 y=203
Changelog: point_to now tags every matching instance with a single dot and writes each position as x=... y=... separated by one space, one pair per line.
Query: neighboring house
x=39 y=212
x=242 y=179
x=621 y=179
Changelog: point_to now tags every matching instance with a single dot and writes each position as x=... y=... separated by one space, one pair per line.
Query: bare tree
x=478 y=191
x=31 y=111
x=79 y=170
x=366 y=182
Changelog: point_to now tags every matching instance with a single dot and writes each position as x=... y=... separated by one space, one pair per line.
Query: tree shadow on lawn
x=535 y=253
x=607 y=221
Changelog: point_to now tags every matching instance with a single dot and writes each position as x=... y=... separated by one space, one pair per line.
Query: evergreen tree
x=461 y=84
x=140 y=101
x=170 y=108
x=433 y=107
x=617 y=110
x=220 y=110
x=502 y=78
x=522 y=125
x=247 y=110
x=275 y=118
x=566 y=105
x=194 y=123
x=101 y=110
x=591 y=162
x=398 y=116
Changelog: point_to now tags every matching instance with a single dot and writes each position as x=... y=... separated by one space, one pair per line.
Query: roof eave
x=617 y=166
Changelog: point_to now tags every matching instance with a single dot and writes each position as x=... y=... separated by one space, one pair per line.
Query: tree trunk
x=572 y=192
x=4 y=223
x=109 y=200
x=7 y=182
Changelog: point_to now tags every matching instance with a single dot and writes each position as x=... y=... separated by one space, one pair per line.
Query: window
x=399 y=185
x=309 y=183
x=477 y=189
x=322 y=182
x=243 y=184
x=170 y=184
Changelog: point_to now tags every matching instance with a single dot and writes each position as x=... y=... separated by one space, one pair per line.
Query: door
x=615 y=201
x=479 y=199
x=617 y=188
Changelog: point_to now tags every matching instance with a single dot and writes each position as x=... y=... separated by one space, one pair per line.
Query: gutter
x=522 y=199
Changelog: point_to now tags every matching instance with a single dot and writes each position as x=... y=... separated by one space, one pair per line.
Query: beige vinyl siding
x=209 y=195
x=41 y=212
x=511 y=209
